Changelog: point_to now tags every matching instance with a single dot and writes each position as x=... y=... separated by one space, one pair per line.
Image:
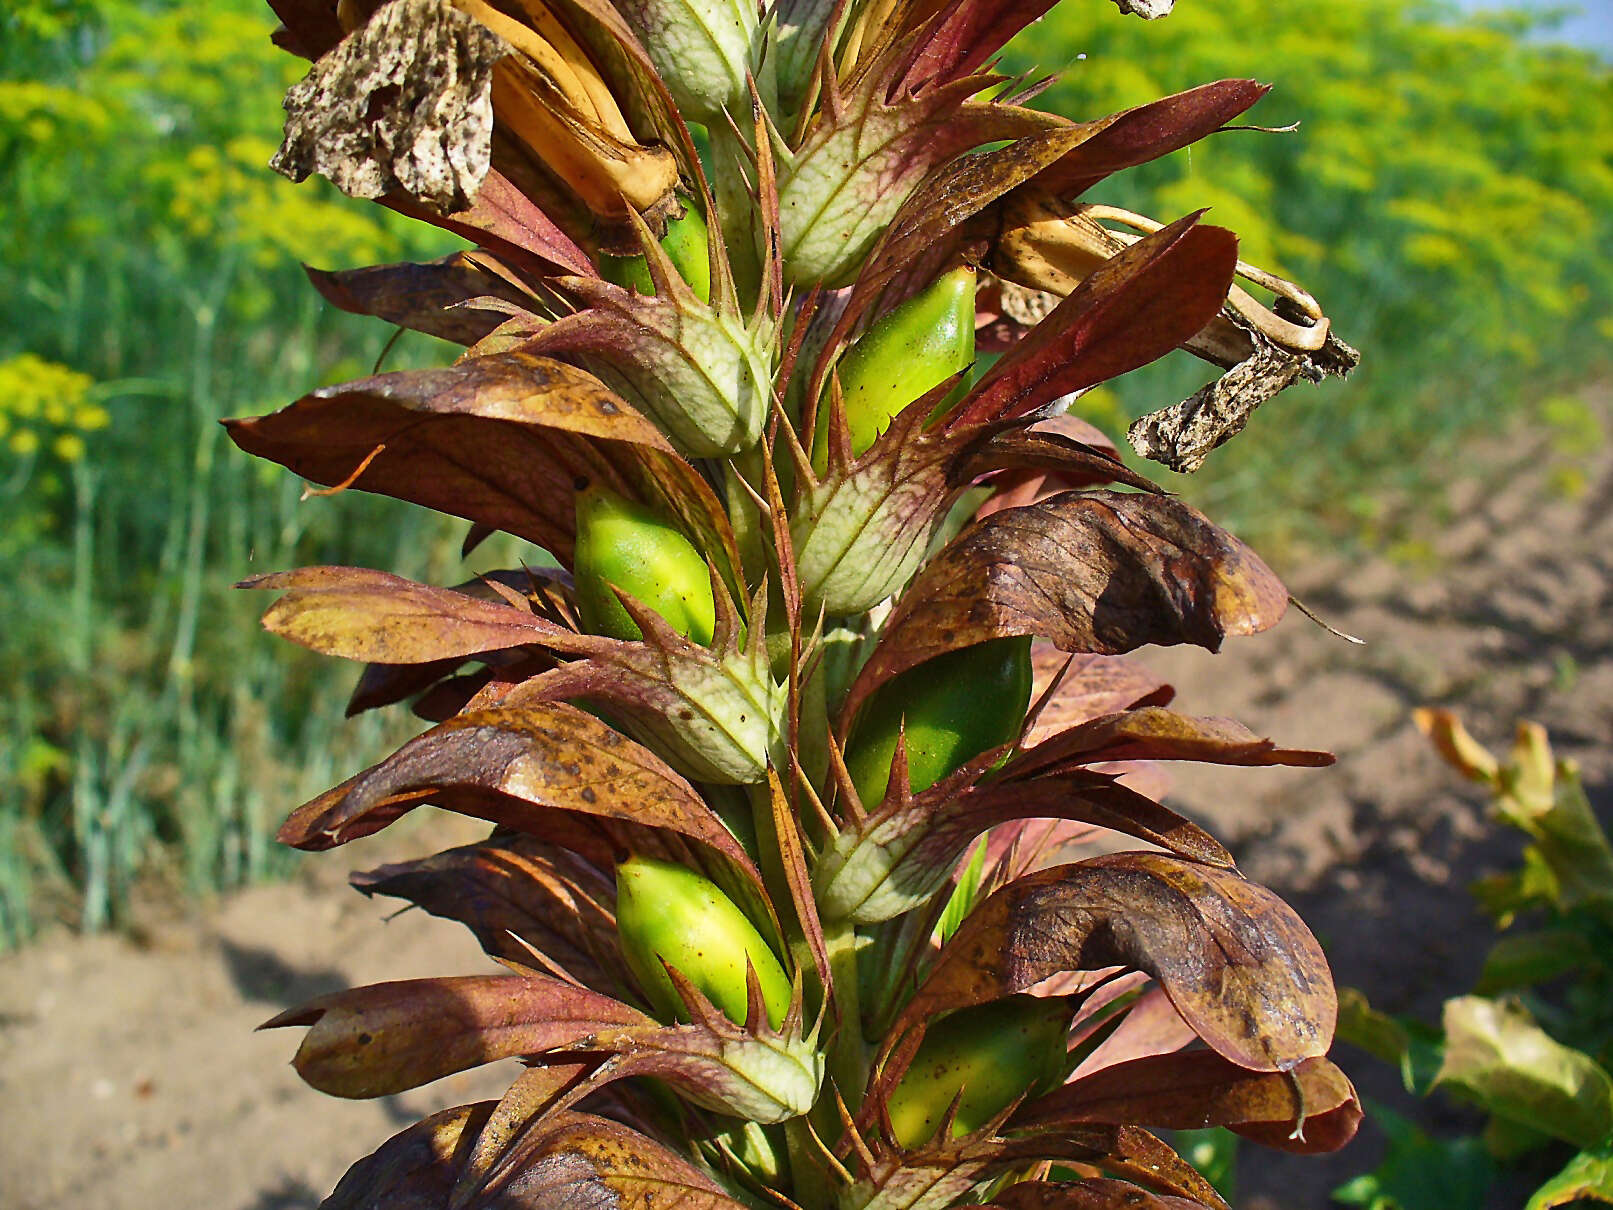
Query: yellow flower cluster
x=46 y=405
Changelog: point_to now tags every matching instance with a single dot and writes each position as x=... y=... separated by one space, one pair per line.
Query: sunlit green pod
x=993 y=1052
x=954 y=707
x=913 y=347
x=625 y=544
x=686 y=244
x=668 y=915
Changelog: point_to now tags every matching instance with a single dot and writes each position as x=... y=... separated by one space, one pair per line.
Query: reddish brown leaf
x=581 y=1162
x=1157 y=733
x=1237 y=963
x=1098 y=1193
x=1051 y=448
x=1086 y=796
x=390 y=1037
x=523 y=898
x=1090 y=686
x=360 y=614
x=1136 y=307
x=518 y=766
x=505 y=217
x=945 y=1168
x=422 y=297
x=501 y=440
x=1147 y=132
x=1311 y=1108
x=548 y=590
x=1133 y=1154
x=1151 y=1026
x=1098 y=572
x=378 y=1040
x=416 y=1168
x=962 y=37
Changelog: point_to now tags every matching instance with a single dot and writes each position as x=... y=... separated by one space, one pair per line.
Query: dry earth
x=131 y=1078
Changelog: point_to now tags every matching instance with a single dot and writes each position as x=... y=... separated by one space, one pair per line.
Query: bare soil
x=131 y=1078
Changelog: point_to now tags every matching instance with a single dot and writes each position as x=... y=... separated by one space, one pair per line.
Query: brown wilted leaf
x=1158 y=733
x=522 y=897
x=1098 y=1193
x=581 y=1162
x=1237 y=963
x=415 y=1168
x=1087 y=796
x=405 y=103
x=1136 y=307
x=422 y=297
x=500 y=440
x=1311 y=1108
x=1149 y=131
x=1101 y=572
x=1089 y=686
x=390 y=1037
x=374 y=616
x=518 y=766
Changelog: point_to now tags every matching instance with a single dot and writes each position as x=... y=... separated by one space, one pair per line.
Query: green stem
x=809 y=1180
x=848 y=1050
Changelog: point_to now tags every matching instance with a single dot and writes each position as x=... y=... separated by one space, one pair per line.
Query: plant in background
x=786 y=747
x=1532 y=1046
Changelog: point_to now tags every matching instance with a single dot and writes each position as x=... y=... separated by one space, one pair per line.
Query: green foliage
x=1450 y=204
x=1534 y=1057
x=144 y=248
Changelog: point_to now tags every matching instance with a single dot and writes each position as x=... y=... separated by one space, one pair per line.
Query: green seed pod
x=913 y=347
x=993 y=1052
x=954 y=707
x=686 y=245
x=666 y=913
x=625 y=544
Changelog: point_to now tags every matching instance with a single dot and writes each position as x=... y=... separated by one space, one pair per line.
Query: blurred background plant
x=1448 y=195
x=1531 y=1047
x=1450 y=199
x=150 y=264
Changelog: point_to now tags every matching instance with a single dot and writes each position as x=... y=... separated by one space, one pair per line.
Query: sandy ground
x=130 y=1078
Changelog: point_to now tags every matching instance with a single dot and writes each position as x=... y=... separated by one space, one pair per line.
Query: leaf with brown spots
x=1103 y=572
x=1137 y=306
x=500 y=440
x=1158 y=733
x=390 y=1037
x=416 y=1168
x=422 y=297
x=526 y=899
x=360 y=614
x=1311 y=1108
x=581 y=1162
x=946 y=1168
x=519 y=766
x=1098 y=1193
x=1237 y=963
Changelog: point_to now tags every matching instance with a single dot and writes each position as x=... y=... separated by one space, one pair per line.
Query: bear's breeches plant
x=790 y=726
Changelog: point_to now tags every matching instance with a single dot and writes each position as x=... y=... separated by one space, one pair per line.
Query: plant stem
x=848 y=1050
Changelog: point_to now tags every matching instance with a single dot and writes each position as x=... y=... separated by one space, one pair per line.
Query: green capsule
x=666 y=913
x=686 y=244
x=955 y=707
x=913 y=347
x=625 y=544
x=994 y=1052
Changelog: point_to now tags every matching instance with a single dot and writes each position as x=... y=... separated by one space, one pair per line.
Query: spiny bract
x=818 y=352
